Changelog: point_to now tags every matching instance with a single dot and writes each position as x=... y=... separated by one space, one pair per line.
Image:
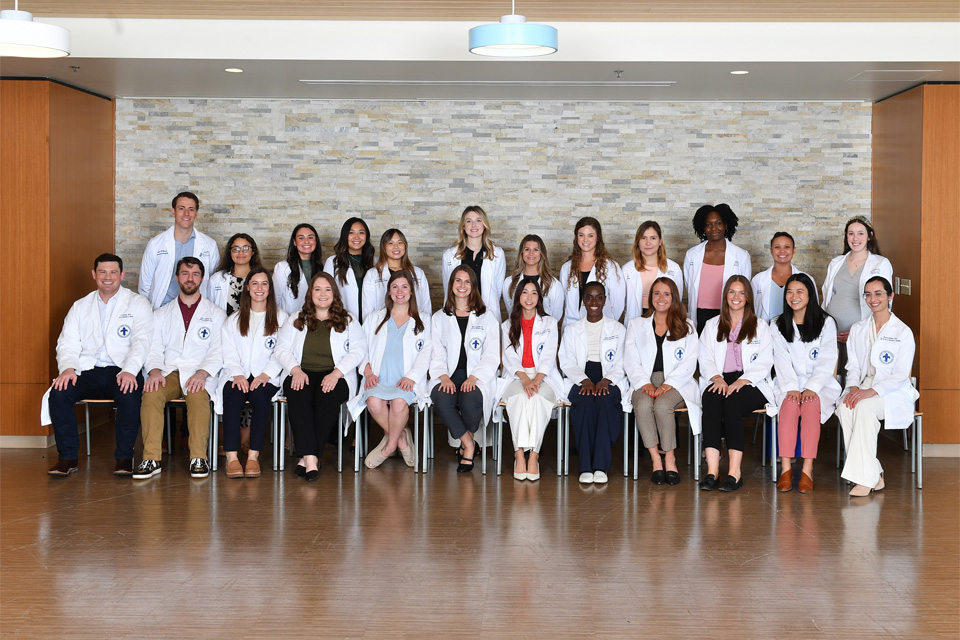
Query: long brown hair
x=516 y=313
x=748 y=329
x=872 y=245
x=543 y=267
x=405 y=264
x=638 y=259
x=677 y=313
x=338 y=319
x=600 y=254
x=414 y=312
x=462 y=235
x=293 y=258
x=226 y=260
x=475 y=302
x=270 y=324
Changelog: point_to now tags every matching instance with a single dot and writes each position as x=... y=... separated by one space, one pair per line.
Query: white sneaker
x=599 y=477
x=587 y=478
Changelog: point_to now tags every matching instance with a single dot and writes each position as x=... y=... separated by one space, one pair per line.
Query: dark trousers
x=723 y=416
x=703 y=315
x=260 y=406
x=313 y=413
x=596 y=423
x=460 y=411
x=99 y=383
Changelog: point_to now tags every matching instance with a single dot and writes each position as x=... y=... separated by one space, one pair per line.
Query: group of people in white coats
x=358 y=329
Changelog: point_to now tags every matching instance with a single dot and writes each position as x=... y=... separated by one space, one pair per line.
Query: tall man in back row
x=101 y=350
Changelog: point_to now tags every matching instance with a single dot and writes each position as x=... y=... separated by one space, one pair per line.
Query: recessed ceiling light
x=739 y=73
x=233 y=70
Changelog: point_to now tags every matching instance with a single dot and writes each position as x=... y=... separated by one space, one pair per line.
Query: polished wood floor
x=390 y=554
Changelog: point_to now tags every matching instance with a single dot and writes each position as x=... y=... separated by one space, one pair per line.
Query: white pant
x=529 y=417
x=861 y=425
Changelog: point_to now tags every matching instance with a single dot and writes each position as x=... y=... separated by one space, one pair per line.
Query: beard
x=189 y=288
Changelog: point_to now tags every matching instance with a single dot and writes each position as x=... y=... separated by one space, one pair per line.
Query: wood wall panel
x=20 y=409
x=940 y=410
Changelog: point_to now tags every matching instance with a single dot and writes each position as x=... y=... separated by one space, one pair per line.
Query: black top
x=658 y=362
x=475 y=262
x=583 y=283
x=462 y=362
x=359 y=271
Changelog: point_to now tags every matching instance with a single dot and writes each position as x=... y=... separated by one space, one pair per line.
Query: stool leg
x=340 y=441
x=497 y=440
x=559 y=440
x=87 y=409
x=566 y=442
x=626 y=447
x=918 y=449
x=282 y=431
x=274 y=439
x=416 y=437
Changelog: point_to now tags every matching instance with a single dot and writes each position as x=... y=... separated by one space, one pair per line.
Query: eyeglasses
x=244 y=249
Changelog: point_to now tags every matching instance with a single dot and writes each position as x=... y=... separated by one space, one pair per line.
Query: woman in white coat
x=591 y=359
x=649 y=263
x=735 y=356
x=805 y=356
x=395 y=369
x=660 y=358
x=880 y=354
x=240 y=256
x=393 y=259
x=534 y=266
x=248 y=340
x=304 y=260
x=710 y=264
x=768 y=285
x=463 y=367
x=590 y=262
x=351 y=260
x=531 y=382
x=319 y=351
x=475 y=248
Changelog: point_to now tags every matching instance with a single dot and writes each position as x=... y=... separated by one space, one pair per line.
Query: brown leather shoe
x=123 y=467
x=785 y=483
x=63 y=468
x=806 y=483
x=234 y=469
x=252 y=470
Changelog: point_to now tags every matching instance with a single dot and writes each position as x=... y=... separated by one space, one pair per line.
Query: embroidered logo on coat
x=814 y=353
x=609 y=355
x=754 y=357
x=678 y=353
x=419 y=345
x=203 y=333
x=886 y=357
x=123 y=331
x=475 y=344
x=270 y=343
x=540 y=348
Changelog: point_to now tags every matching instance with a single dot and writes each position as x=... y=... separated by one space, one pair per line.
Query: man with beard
x=184 y=360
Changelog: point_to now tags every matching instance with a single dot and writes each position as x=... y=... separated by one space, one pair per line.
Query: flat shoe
x=599 y=477
x=673 y=478
x=729 y=484
x=806 y=483
x=313 y=475
x=586 y=478
x=234 y=469
x=299 y=471
x=658 y=477
x=709 y=483
x=408 y=452
x=860 y=491
x=252 y=470
x=785 y=483
x=880 y=485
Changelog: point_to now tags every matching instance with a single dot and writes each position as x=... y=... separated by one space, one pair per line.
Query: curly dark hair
x=730 y=220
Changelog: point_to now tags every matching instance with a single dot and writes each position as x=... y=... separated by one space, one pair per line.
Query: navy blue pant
x=261 y=406
x=99 y=383
x=596 y=422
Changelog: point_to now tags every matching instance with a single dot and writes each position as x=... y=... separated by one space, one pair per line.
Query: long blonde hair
x=462 y=238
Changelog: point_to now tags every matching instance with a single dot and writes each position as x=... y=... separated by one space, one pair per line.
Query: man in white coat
x=184 y=360
x=101 y=349
x=158 y=281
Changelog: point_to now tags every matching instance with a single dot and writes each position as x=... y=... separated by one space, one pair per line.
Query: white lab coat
x=761 y=284
x=634 y=288
x=491 y=277
x=375 y=291
x=552 y=302
x=616 y=289
x=173 y=349
x=219 y=287
x=248 y=355
x=757 y=355
x=349 y=292
x=736 y=261
x=679 y=364
x=348 y=347
x=417 y=348
x=482 y=343
x=876 y=265
x=892 y=357
x=546 y=341
x=572 y=355
x=807 y=365
x=285 y=298
x=159 y=260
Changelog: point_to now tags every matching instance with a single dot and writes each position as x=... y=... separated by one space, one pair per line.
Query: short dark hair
x=883 y=281
x=185 y=194
x=783 y=234
x=730 y=220
x=107 y=257
x=193 y=262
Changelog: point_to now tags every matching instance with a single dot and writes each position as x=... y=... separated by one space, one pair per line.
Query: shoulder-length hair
x=730 y=220
x=748 y=330
x=341 y=250
x=516 y=313
x=338 y=315
x=405 y=264
x=270 y=324
x=677 y=313
x=813 y=316
x=226 y=260
x=601 y=257
x=638 y=259
x=293 y=258
x=474 y=301
x=462 y=235
x=872 y=245
x=543 y=268
x=414 y=311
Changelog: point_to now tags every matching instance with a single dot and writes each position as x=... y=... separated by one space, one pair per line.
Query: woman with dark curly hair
x=707 y=266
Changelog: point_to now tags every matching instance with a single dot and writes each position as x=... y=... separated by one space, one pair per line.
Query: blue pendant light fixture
x=513 y=37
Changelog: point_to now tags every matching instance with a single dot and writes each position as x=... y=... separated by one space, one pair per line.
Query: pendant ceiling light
x=513 y=37
x=21 y=37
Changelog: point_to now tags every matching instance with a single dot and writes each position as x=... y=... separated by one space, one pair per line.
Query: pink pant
x=807 y=415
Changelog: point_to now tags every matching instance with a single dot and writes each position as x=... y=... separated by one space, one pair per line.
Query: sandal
x=376 y=458
x=408 y=453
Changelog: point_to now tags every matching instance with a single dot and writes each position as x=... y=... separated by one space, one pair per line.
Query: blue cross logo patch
x=203 y=333
x=270 y=342
x=475 y=344
x=123 y=331
x=678 y=353
x=814 y=353
x=419 y=344
x=609 y=355
x=754 y=357
x=886 y=357
x=540 y=348
x=346 y=346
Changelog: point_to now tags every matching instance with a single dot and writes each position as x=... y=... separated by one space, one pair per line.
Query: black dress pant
x=723 y=416
x=460 y=411
x=260 y=406
x=596 y=422
x=313 y=413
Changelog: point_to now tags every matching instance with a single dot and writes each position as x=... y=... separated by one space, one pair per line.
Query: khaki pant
x=151 y=418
